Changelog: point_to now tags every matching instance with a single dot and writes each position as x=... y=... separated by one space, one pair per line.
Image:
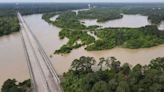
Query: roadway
x=43 y=76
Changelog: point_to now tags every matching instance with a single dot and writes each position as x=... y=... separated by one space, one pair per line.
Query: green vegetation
x=8 y=25
x=143 y=37
x=72 y=29
x=80 y=35
x=101 y=14
x=113 y=77
x=108 y=38
x=68 y=20
x=11 y=85
x=76 y=38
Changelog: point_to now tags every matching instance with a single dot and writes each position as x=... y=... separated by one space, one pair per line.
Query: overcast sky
x=81 y=0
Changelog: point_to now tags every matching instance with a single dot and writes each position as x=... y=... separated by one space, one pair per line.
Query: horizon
x=86 y=2
x=79 y=1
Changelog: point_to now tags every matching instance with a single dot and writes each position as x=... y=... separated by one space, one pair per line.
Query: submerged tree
x=84 y=64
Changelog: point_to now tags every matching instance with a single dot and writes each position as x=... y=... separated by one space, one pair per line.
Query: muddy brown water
x=13 y=62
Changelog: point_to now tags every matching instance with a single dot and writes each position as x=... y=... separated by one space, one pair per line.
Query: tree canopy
x=115 y=77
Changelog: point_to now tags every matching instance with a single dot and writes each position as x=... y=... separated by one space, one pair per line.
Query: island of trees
x=11 y=85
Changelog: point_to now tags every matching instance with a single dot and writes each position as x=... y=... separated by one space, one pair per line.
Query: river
x=13 y=63
x=12 y=60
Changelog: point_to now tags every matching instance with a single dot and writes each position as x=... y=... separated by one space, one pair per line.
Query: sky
x=81 y=0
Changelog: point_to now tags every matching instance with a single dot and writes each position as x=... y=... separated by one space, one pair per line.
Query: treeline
x=8 y=25
x=11 y=85
x=113 y=76
x=10 y=9
x=101 y=14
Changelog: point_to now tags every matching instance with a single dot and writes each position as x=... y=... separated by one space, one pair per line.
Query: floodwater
x=131 y=21
x=161 y=26
x=48 y=36
x=54 y=18
x=13 y=62
x=12 y=59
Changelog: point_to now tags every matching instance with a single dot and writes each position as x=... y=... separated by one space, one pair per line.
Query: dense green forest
x=113 y=76
x=11 y=85
x=8 y=25
x=126 y=37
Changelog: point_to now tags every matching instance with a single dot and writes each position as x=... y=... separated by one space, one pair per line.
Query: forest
x=8 y=25
x=133 y=38
x=112 y=76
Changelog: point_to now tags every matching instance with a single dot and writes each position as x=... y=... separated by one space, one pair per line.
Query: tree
x=106 y=62
x=11 y=85
x=84 y=64
x=100 y=86
x=115 y=65
x=101 y=62
x=89 y=81
x=125 y=69
x=157 y=63
x=123 y=87
x=112 y=85
x=156 y=88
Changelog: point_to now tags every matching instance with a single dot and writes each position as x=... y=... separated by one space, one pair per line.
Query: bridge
x=43 y=76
